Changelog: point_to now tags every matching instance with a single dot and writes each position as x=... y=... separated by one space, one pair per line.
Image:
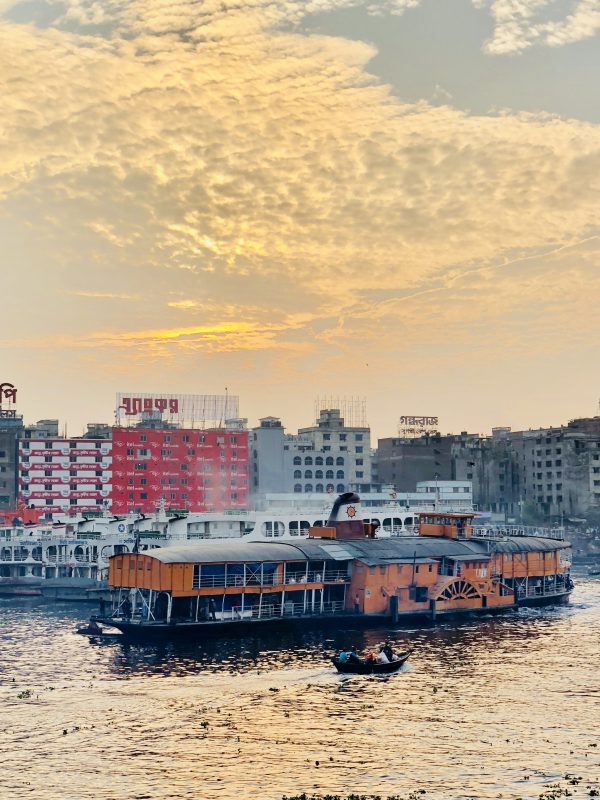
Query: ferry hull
x=195 y=631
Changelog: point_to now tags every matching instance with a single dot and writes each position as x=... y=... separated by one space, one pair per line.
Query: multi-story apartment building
x=60 y=476
x=11 y=429
x=404 y=462
x=548 y=471
x=181 y=468
x=327 y=457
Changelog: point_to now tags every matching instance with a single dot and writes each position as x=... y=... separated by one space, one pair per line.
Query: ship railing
x=502 y=532
x=270 y=579
x=16 y=557
x=287 y=609
x=399 y=530
x=542 y=587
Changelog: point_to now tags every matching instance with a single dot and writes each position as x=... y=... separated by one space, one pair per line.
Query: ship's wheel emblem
x=351 y=512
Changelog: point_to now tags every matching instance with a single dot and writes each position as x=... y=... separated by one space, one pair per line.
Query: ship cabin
x=449 y=525
x=231 y=581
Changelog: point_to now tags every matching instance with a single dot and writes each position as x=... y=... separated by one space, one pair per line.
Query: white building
x=328 y=457
x=65 y=476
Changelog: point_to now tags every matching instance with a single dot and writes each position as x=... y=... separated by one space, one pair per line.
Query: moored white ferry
x=70 y=559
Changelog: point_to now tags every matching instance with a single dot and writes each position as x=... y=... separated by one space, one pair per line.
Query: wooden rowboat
x=370 y=667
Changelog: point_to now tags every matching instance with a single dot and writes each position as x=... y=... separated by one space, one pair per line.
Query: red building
x=197 y=470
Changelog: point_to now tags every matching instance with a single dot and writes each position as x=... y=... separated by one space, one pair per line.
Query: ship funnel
x=346 y=517
x=346 y=508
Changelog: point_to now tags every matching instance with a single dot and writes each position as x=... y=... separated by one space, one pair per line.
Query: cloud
x=233 y=172
x=520 y=24
x=103 y=295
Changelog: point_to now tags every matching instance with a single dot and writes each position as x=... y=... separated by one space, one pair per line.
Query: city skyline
x=394 y=200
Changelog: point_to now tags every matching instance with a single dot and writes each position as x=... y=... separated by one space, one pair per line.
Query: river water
x=501 y=707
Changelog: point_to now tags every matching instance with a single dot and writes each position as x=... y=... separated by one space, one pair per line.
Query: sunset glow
x=293 y=199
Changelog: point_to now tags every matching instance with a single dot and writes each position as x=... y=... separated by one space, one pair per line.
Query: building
x=59 y=476
x=545 y=472
x=11 y=429
x=403 y=462
x=327 y=457
x=180 y=468
x=346 y=448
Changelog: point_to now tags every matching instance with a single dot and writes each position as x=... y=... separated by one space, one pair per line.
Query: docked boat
x=371 y=667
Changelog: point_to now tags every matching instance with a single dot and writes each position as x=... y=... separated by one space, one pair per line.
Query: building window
x=297 y=460
x=358 y=437
x=308 y=473
x=326 y=437
x=143 y=481
x=330 y=487
x=167 y=439
x=143 y=496
x=308 y=461
x=319 y=461
x=143 y=437
x=329 y=461
x=308 y=487
x=319 y=488
x=340 y=474
x=340 y=487
x=319 y=473
x=297 y=473
x=329 y=474
x=48 y=445
x=359 y=449
x=359 y=475
x=48 y=459
x=339 y=461
x=48 y=487
x=297 y=487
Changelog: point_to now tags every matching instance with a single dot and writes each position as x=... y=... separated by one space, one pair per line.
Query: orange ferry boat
x=342 y=575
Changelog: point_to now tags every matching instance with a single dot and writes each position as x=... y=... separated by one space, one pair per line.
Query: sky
x=396 y=200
